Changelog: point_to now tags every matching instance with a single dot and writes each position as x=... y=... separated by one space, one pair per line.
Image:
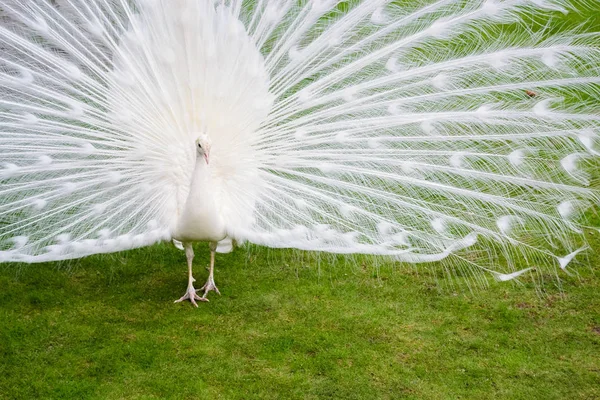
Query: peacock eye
x=199 y=146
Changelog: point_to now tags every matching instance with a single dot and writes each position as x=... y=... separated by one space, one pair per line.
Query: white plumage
x=424 y=130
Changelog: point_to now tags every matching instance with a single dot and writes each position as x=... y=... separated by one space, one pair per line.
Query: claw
x=191 y=296
x=209 y=286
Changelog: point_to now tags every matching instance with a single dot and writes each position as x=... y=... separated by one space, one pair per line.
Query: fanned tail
x=73 y=179
x=432 y=130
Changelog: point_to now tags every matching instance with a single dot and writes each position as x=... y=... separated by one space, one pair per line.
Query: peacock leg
x=190 y=294
x=210 y=282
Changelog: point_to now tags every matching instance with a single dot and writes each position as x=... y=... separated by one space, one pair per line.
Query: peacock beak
x=206 y=157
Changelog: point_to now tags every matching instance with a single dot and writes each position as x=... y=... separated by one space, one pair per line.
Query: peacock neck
x=200 y=177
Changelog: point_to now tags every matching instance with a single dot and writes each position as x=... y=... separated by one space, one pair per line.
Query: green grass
x=105 y=327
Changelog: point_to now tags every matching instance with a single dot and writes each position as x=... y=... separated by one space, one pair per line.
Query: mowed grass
x=289 y=326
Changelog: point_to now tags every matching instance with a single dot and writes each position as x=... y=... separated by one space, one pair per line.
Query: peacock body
x=423 y=130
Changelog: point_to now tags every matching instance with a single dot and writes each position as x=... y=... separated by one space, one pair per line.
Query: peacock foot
x=209 y=286
x=191 y=296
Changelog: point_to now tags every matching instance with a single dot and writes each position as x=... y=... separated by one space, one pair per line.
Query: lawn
x=290 y=326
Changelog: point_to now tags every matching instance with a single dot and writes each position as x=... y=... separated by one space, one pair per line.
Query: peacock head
x=203 y=144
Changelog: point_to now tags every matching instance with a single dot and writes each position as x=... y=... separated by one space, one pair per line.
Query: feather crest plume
x=422 y=130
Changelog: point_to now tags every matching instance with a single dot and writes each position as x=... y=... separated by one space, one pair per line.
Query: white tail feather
x=419 y=132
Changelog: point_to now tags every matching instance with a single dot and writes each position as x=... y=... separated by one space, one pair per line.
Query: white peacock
x=422 y=131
